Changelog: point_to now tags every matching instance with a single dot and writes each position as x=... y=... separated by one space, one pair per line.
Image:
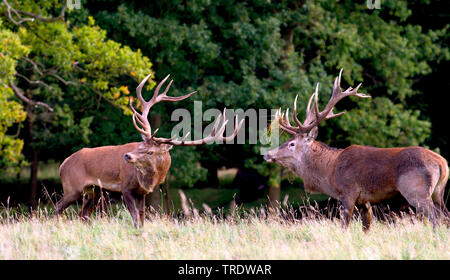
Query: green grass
x=247 y=237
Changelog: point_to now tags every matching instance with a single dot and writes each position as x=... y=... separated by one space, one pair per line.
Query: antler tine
x=136 y=114
x=337 y=83
x=286 y=117
x=212 y=137
x=154 y=99
x=140 y=86
x=316 y=102
x=308 y=107
x=217 y=122
x=287 y=129
x=145 y=105
x=283 y=122
x=237 y=127
x=142 y=118
x=216 y=125
x=295 y=113
x=142 y=131
x=309 y=114
x=286 y=122
x=156 y=130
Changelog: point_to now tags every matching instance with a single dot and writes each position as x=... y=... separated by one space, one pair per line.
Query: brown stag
x=134 y=169
x=360 y=175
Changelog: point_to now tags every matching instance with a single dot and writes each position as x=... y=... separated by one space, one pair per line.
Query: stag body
x=88 y=166
x=361 y=175
x=134 y=169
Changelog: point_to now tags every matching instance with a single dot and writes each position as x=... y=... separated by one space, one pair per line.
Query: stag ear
x=148 y=140
x=312 y=135
x=169 y=147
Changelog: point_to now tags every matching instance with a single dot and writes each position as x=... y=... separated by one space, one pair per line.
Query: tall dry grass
x=254 y=234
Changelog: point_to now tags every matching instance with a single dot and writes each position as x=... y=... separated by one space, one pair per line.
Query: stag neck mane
x=315 y=165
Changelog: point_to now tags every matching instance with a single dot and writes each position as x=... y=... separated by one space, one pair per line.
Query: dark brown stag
x=360 y=175
x=134 y=169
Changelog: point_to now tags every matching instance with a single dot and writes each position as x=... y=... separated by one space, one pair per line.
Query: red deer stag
x=134 y=169
x=360 y=175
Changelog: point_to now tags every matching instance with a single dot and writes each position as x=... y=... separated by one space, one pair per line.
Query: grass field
x=246 y=236
x=250 y=234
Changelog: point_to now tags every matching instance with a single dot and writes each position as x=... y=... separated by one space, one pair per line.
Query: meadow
x=250 y=234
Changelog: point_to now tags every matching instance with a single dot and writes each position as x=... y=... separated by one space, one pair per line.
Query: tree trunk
x=212 y=180
x=166 y=196
x=34 y=180
x=274 y=188
x=34 y=160
x=154 y=199
x=274 y=197
x=288 y=36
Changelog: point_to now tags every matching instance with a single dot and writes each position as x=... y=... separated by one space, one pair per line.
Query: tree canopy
x=260 y=54
x=63 y=76
x=70 y=73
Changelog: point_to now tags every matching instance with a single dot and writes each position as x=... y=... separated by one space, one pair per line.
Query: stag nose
x=127 y=157
x=267 y=157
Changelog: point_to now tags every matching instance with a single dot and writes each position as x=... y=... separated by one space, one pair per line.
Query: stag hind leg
x=438 y=196
x=417 y=187
x=65 y=201
x=347 y=212
x=88 y=205
x=73 y=187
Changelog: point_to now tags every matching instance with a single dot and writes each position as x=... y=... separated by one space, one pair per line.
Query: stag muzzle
x=129 y=158
x=269 y=156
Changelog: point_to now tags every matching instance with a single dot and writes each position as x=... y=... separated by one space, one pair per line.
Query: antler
x=313 y=115
x=146 y=130
x=142 y=119
x=212 y=137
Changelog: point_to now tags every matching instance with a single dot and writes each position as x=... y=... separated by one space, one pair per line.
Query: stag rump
x=134 y=169
x=360 y=175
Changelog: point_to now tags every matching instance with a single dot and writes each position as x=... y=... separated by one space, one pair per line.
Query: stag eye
x=150 y=153
x=292 y=144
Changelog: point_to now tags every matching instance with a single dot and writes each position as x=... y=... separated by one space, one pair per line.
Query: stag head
x=304 y=134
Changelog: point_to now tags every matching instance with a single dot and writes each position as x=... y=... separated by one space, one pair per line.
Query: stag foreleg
x=130 y=202
x=366 y=216
x=167 y=198
x=141 y=207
